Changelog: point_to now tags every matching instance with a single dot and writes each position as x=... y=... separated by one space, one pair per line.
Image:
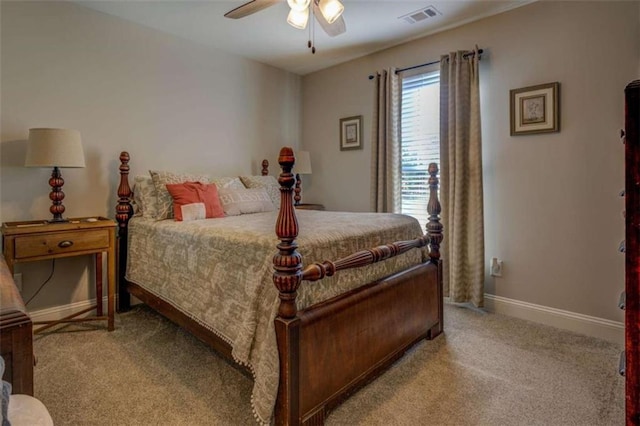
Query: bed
x=310 y=333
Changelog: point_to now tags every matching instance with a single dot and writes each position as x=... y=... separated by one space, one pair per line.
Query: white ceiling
x=266 y=37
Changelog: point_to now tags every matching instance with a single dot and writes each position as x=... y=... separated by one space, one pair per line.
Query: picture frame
x=535 y=109
x=351 y=133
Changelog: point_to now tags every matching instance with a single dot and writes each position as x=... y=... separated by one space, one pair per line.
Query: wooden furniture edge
x=632 y=253
x=16 y=335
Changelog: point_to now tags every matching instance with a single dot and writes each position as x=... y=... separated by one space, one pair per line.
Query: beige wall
x=172 y=104
x=552 y=210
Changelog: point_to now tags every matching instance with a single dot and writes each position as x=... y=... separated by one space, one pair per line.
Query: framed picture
x=535 y=109
x=351 y=133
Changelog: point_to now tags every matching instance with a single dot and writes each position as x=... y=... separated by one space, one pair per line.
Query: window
x=419 y=140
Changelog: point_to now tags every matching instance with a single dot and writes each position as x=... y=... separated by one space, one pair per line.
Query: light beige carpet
x=485 y=370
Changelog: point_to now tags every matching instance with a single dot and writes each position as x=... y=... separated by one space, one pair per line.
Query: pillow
x=164 y=203
x=227 y=182
x=267 y=182
x=243 y=201
x=145 y=196
x=195 y=200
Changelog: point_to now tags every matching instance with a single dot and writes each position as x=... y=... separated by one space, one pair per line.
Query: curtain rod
x=432 y=63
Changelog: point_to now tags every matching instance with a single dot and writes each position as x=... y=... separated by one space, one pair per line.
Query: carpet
x=486 y=369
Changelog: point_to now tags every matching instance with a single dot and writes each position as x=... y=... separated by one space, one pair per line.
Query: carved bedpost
x=287 y=275
x=287 y=263
x=434 y=227
x=265 y=167
x=124 y=211
x=434 y=234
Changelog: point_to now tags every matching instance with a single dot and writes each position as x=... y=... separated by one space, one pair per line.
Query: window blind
x=419 y=139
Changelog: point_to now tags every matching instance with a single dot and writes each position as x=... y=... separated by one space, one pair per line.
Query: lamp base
x=297 y=190
x=56 y=196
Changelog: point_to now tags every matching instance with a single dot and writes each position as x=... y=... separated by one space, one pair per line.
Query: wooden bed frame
x=329 y=350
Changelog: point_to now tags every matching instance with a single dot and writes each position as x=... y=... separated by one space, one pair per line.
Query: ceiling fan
x=328 y=13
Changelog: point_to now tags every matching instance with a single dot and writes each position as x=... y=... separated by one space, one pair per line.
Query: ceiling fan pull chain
x=313 y=32
x=309 y=27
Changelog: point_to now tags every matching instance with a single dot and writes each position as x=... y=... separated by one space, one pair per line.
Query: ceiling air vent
x=420 y=15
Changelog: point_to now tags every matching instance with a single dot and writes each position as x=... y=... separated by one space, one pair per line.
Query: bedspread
x=219 y=272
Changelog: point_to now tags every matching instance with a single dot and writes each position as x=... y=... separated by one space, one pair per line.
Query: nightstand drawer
x=60 y=242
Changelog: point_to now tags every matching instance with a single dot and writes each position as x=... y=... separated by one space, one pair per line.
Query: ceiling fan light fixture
x=331 y=9
x=298 y=5
x=298 y=18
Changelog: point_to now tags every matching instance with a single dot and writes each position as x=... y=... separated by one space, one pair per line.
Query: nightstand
x=303 y=206
x=41 y=240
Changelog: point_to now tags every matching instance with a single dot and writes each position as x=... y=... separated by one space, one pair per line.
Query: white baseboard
x=59 y=312
x=612 y=331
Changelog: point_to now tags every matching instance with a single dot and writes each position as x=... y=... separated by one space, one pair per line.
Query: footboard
x=329 y=350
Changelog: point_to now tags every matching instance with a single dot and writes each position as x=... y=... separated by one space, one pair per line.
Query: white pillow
x=243 y=201
x=269 y=183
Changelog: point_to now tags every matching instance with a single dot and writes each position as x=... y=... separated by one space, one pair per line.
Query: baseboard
x=59 y=312
x=612 y=331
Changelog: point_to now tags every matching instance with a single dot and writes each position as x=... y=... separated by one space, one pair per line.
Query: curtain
x=461 y=176
x=385 y=144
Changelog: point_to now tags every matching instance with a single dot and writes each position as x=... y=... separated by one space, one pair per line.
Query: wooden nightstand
x=40 y=240
x=304 y=206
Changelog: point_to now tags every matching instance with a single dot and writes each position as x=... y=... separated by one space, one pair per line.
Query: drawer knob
x=65 y=244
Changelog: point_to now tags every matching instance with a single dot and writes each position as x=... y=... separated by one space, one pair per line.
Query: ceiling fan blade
x=334 y=29
x=248 y=8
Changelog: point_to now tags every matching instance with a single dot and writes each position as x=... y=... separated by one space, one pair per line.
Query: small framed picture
x=535 y=109
x=351 y=133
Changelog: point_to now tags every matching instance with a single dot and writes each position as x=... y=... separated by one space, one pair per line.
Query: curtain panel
x=461 y=190
x=385 y=144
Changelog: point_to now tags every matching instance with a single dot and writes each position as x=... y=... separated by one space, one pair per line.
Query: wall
x=552 y=210
x=172 y=104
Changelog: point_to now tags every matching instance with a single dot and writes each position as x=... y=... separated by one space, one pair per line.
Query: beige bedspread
x=219 y=272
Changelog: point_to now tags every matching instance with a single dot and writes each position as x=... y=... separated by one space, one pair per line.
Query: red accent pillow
x=195 y=200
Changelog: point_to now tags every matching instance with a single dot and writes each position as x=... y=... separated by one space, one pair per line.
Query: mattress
x=219 y=272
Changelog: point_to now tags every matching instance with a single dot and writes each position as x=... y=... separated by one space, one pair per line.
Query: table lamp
x=55 y=148
x=302 y=166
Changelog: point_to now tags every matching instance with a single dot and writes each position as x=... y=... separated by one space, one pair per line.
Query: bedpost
x=288 y=262
x=434 y=227
x=124 y=211
x=265 y=167
x=287 y=275
x=434 y=234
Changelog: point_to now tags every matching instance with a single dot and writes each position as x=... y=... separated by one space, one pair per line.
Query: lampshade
x=54 y=148
x=298 y=18
x=331 y=9
x=303 y=163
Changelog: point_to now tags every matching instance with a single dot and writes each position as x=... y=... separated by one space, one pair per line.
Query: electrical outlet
x=496 y=267
x=17 y=278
